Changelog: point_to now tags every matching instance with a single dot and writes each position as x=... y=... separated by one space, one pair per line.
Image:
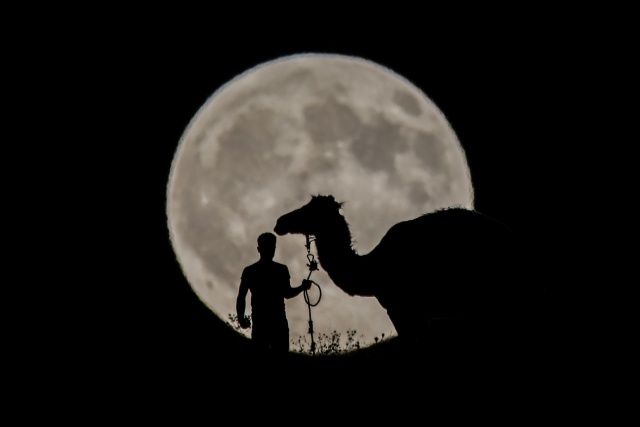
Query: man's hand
x=306 y=284
x=244 y=321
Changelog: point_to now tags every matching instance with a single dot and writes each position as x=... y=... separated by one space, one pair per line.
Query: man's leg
x=280 y=342
x=259 y=338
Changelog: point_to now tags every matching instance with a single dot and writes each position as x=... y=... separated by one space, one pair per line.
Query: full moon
x=297 y=126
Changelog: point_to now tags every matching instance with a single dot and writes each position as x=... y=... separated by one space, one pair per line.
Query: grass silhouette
x=332 y=344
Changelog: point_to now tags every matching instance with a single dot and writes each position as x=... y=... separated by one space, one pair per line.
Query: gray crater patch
x=204 y=232
x=407 y=102
x=417 y=193
x=331 y=121
x=376 y=145
x=250 y=146
x=318 y=165
x=430 y=150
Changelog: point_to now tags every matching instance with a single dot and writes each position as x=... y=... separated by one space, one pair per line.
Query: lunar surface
x=297 y=126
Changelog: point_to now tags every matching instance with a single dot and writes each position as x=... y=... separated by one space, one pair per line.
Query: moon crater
x=407 y=102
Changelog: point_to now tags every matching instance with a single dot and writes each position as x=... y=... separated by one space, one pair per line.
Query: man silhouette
x=269 y=284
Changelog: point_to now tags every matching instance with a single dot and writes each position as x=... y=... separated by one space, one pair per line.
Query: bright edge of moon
x=297 y=126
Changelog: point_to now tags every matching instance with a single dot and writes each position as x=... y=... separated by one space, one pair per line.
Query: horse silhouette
x=450 y=263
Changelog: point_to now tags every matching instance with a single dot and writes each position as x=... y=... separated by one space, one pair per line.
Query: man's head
x=267 y=245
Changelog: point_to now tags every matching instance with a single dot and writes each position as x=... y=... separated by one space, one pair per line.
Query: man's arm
x=241 y=303
x=292 y=292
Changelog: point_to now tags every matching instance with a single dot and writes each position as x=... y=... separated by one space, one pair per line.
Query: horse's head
x=308 y=218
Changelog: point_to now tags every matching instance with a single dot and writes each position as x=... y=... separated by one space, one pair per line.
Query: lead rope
x=313 y=266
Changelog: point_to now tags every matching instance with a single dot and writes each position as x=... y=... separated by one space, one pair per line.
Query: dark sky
x=513 y=102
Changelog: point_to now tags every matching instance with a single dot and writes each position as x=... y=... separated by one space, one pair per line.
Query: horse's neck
x=338 y=258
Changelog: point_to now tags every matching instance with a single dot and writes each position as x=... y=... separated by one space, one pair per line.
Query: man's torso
x=268 y=282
